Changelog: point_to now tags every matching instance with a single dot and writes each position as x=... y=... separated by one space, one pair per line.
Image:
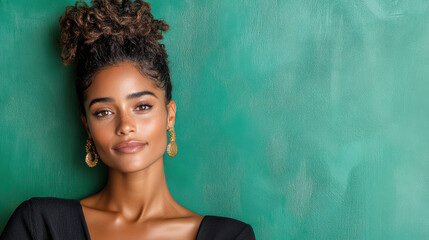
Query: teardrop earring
x=172 y=146
x=91 y=157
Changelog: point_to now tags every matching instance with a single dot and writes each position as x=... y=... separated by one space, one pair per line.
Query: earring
x=172 y=146
x=91 y=157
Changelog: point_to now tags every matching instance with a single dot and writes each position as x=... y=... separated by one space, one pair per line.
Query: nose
x=126 y=124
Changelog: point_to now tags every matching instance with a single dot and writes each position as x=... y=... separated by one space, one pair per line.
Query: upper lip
x=125 y=144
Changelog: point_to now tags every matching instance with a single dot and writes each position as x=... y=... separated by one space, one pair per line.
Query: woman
x=124 y=90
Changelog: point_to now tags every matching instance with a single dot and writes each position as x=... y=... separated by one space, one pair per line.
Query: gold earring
x=91 y=157
x=172 y=146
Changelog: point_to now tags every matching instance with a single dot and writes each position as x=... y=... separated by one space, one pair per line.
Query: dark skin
x=128 y=121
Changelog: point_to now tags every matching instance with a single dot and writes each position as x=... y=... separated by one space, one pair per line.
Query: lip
x=129 y=147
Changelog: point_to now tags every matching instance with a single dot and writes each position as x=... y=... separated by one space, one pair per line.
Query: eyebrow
x=139 y=94
x=130 y=96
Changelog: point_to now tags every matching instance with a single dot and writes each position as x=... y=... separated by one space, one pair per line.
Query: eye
x=102 y=113
x=143 y=107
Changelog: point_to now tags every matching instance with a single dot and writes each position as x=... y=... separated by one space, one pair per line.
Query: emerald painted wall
x=307 y=119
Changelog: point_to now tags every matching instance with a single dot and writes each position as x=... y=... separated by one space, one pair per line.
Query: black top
x=56 y=218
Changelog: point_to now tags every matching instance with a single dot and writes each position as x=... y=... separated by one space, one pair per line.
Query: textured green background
x=307 y=119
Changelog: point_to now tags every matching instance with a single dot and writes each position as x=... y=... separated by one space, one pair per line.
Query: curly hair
x=110 y=32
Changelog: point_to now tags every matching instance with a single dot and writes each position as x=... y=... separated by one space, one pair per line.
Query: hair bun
x=119 y=20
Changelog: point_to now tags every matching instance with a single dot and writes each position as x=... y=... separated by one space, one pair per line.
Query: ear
x=85 y=123
x=171 y=114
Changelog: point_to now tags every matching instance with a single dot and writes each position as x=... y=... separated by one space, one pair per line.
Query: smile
x=129 y=147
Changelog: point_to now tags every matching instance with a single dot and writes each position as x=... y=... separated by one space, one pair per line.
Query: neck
x=138 y=195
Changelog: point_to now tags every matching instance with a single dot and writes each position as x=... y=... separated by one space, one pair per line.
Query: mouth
x=129 y=147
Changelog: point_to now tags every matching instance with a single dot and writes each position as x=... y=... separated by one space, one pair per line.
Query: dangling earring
x=91 y=157
x=172 y=146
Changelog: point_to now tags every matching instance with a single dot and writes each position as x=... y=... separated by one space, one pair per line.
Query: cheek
x=103 y=135
x=154 y=131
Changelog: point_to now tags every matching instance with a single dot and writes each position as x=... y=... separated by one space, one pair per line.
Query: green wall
x=307 y=119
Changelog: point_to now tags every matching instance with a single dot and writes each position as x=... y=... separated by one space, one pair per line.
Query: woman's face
x=127 y=117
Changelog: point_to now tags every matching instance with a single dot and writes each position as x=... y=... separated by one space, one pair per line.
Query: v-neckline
x=85 y=226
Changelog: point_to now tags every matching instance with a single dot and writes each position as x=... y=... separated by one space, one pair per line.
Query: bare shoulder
x=184 y=226
x=189 y=217
x=185 y=223
x=89 y=202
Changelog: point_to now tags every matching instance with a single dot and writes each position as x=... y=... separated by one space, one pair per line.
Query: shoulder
x=40 y=216
x=51 y=203
x=53 y=211
x=38 y=206
x=216 y=227
x=42 y=207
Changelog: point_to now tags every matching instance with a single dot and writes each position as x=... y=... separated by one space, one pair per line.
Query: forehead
x=118 y=81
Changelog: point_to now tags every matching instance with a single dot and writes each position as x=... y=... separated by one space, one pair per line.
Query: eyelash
x=144 y=105
x=102 y=113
